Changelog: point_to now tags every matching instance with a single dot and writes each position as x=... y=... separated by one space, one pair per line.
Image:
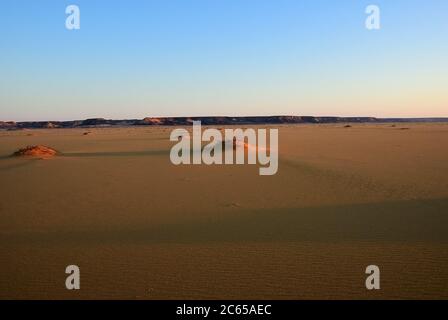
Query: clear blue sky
x=132 y=59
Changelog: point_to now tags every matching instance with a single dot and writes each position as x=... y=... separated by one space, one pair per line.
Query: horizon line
x=228 y=116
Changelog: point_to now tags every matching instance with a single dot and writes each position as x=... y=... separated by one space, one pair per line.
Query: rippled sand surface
x=141 y=228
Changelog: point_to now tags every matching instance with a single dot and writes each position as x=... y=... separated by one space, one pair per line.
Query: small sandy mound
x=36 y=151
x=246 y=145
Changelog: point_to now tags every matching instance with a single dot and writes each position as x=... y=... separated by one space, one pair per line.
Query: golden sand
x=140 y=227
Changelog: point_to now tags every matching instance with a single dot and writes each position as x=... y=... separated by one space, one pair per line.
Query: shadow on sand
x=26 y=161
x=117 y=153
x=404 y=221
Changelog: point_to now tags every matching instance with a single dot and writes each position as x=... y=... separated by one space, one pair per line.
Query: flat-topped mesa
x=152 y=121
x=7 y=124
x=36 y=151
x=96 y=122
x=207 y=120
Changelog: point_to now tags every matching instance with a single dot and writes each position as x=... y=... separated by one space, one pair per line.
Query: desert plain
x=140 y=227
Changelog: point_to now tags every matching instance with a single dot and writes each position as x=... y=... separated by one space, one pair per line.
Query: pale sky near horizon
x=136 y=58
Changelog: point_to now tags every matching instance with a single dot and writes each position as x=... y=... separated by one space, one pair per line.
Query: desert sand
x=141 y=228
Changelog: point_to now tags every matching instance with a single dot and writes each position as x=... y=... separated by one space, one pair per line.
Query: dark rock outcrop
x=7 y=124
x=220 y=121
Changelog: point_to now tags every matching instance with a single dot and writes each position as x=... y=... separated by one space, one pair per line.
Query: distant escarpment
x=186 y=121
